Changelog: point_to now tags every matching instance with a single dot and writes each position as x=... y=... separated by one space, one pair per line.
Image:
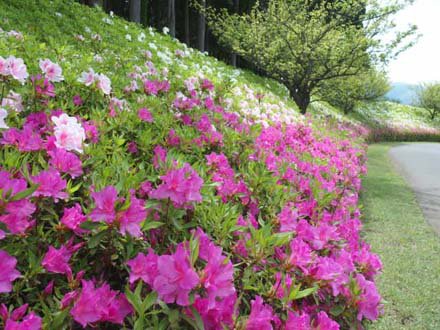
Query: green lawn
x=409 y=248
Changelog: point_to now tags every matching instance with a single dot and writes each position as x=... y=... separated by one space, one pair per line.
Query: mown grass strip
x=410 y=250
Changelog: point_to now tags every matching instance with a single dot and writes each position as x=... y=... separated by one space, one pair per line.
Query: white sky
x=421 y=62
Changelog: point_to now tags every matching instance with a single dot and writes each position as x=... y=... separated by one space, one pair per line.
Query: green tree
x=345 y=93
x=428 y=97
x=303 y=48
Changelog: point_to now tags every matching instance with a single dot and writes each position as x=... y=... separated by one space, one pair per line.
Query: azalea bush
x=140 y=190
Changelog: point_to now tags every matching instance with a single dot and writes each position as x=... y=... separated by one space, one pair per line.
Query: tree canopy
x=428 y=97
x=303 y=46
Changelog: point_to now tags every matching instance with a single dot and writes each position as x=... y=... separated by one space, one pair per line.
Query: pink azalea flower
x=77 y=100
x=43 y=87
x=51 y=70
x=131 y=219
x=105 y=201
x=173 y=139
x=160 y=156
x=323 y=322
x=25 y=140
x=16 y=68
x=57 y=260
x=145 y=115
x=16 y=214
x=8 y=273
x=175 y=278
x=261 y=316
x=298 y=321
x=87 y=78
x=3 y=115
x=218 y=316
x=13 y=101
x=69 y=134
x=48 y=290
x=218 y=276
x=132 y=147
x=288 y=219
x=50 y=185
x=73 y=217
x=30 y=322
x=150 y=87
x=326 y=269
x=369 y=300
x=103 y=83
x=207 y=84
x=4 y=69
x=66 y=162
x=182 y=186
x=91 y=131
x=301 y=253
x=143 y=267
x=100 y=305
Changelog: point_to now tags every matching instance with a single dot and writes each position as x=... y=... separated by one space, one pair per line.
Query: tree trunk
x=236 y=11
x=201 y=29
x=172 y=17
x=186 y=22
x=301 y=98
x=135 y=11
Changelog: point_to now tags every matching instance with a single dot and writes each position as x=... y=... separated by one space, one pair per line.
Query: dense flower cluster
x=179 y=206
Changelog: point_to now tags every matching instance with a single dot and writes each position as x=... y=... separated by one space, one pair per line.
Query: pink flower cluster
x=128 y=220
x=224 y=174
x=101 y=304
x=181 y=185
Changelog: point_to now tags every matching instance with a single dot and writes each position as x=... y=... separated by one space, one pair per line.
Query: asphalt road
x=419 y=163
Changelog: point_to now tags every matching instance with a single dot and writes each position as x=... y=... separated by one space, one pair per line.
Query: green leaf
x=198 y=319
x=95 y=240
x=25 y=193
x=90 y=225
x=134 y=300
x=151 y=225
x=149 y=300
x=305 y=293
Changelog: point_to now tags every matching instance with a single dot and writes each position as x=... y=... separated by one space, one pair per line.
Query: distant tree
x=305 y=48
x=428 y=98
x=345 y=93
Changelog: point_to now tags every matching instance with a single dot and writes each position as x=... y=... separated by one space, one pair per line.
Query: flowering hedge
x=145 y=195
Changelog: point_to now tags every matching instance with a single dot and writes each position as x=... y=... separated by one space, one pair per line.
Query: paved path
x=419 y=163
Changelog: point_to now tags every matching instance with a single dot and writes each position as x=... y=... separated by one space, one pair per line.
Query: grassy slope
x=382 y=114
x=410 y=250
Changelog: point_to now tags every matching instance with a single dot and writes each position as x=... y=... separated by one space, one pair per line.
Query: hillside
x=385 y=121
x=402 y=92
x=146 y=185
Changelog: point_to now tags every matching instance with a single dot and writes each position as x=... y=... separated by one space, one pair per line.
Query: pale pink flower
x=17 y=69
x=69 y=134
x=103 y=83
x=3 y=115
x=13 y=101
x=52 y=71
x=87 y=78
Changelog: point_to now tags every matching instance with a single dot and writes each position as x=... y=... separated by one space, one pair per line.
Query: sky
x=421 y=63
